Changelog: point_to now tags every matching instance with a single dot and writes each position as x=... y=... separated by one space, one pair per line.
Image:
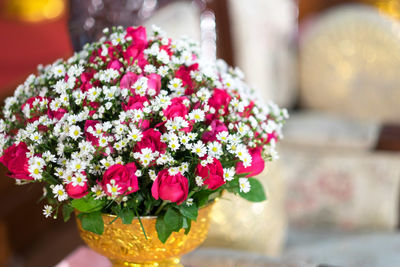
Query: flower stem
x=165 y=202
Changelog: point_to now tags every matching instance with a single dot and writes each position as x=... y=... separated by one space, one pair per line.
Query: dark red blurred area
x=25 y=45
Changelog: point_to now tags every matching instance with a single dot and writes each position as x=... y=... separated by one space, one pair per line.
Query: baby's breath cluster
x=136 y=123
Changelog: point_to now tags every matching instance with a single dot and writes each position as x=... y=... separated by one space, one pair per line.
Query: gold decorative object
x=126 y=245
x=34 y=10
x=389 y=7
x=350 y=63
x=255 y=227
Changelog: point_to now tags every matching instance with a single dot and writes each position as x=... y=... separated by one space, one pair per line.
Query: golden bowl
x=126 y=245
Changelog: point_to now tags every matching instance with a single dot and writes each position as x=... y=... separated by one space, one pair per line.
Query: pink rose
x=56 y=114
x=77 y=191
x=217 y=126
x=176 y=108
x=14 y=158
x=174 y=188
x=219 y=99
x=134 y=102
x=123 y=177
x=212 y=174
x=138 y=35
x=183 y=73
x=129 y=79
x=85 y=81
x=151 y=139
x=257 y=163
x=154 y=82
x=115 y=64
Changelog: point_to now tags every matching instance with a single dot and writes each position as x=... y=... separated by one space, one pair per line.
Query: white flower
x=47 y=210
x=197 y=115
x=222 y=136
x=189 y=202
x=36 y=137
x=75 y=132
x=138 y=173
x=152 y=175
x=229 y=174
x=199 y=148
x=244 y=185
x=98 y=192
x=59 y=192
x=215 y=149
x=173 y=171
x=174 y=145
x=199 y=181
x=135 y=134
x=76 y=165
x=58 y=71
x=113 y=189
x=79 y=179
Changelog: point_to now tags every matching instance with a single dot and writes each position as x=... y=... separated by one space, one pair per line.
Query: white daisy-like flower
x=75 y=132
x=59 y=192
x=244 y=185
x=189 y=202
x=173 y=171
x=47 y=210
x=113 y=189
x=79 y=179
x=58 y=71
x=222 y=136
x=152 y=175
x=215 y=149
x=199 y=181
x=98 y=192
x=199 y=148
x=197 y=115
x=229 y=174
x=174 y=145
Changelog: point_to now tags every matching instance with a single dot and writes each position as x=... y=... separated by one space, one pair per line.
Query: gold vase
x=126 y=245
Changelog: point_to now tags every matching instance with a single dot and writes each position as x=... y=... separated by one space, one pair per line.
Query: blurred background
x=333 y=195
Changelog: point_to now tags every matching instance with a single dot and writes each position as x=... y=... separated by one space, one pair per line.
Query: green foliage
x=189 y=212
x=87 y=204
x=256 y=193
x=126 y=215
x=92 y=222
x=173 y=219
x=66 y=211
x=162 y=229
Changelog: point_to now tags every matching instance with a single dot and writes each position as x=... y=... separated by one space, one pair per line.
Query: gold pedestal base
x=172 y=262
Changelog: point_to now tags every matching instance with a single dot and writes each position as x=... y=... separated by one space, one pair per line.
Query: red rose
x=219 y=98
x=257 y=163
x=212 y=174
x=183 y=73
x=123 y=177
x=174 y=188
x=129 y=79
x=56 y=114
x=151 y=139
x=176 y=108
x=154 y=82
x=14 y=158
x=134 y=102
x=115 y=64
x=138 y=35
x=217 y=126
x=76 y=191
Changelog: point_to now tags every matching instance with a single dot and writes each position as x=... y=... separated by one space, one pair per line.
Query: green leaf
x=92 y=222
x=173 y=219
x=162 y=230
x=66 y=212
x=87 y=204
x=202 y=197
x=190 y=212
x=256 y=193
x=188 y=225
x=126 y=215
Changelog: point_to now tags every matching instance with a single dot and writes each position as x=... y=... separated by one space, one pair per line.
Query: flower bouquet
x=135 y=126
